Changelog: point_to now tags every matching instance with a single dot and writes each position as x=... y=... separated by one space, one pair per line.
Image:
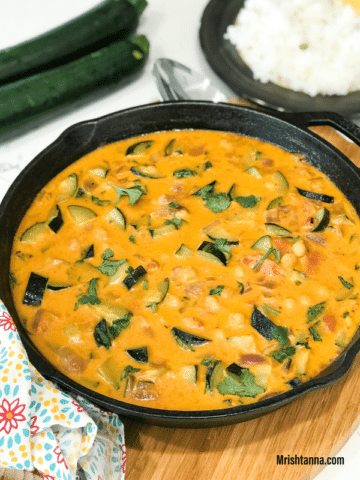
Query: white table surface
x=172 y=27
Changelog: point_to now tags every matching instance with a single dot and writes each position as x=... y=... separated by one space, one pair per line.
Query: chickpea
x=299 y=248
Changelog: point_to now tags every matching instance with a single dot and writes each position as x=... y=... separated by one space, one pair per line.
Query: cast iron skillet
x=289 y=131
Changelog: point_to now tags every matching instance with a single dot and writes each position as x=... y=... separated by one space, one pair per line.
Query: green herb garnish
x=345 y=283
x=315 y=311
x=91 y=298
x=184 y=173
x=244 y=385
x=218 y=202
x=217 y=291
x=109 y=267
x=316 y=336
x=248 y=202
x=283 y=353
x=128 y=369
x=134 y=193
x=281 y=335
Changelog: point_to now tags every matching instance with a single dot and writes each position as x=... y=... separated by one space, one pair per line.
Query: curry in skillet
x=189 y=270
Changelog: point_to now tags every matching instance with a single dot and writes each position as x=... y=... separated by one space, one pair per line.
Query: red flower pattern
x=34 y=428
x=7 y=322
x=11 y=415
x=60 y=456
x=78 y=407
x=123 y=458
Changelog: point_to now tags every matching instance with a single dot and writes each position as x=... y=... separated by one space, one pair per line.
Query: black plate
x=287 y=130
x=226 y=62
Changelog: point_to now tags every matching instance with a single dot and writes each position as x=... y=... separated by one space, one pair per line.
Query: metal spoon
x=175 y=81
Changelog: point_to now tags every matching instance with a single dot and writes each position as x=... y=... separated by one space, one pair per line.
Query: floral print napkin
x=44 y=429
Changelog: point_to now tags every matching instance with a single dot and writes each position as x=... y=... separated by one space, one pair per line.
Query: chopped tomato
x=251 y=359
x=312 y=261
x=330 y=322
x=281 y=244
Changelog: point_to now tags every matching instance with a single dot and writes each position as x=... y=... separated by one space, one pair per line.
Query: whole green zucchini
x=34 y=96
x=111 y=21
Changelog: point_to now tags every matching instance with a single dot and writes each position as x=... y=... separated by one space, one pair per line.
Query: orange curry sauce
x=189 y=270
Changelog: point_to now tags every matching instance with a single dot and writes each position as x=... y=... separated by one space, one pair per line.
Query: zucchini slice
x=157 y=294
x=214 y=375
x=190 y=374
x=67 y=188
x=275 y=203
x=208 y=251
x=188 y=340
x=117 y=217
x=99 y=172
x=262 y=244
x=81 y=214
x=88 y=252
x=322 y=220
x=35 y=290
x=57 y=222
x=140 y=354
x=316 y=196
x=218 y=232
x=281 y=184
x=262 y=324
x=163 y=230
x=139 y=148
x=254 y=172
x=183 y=251
x=34 y=233
x=171 y=149
x=109 y=371
x=146 y=171
x=133 y=277
x=277 y=230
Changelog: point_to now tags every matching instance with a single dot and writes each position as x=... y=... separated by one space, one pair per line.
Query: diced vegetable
x=157 y=294
x=133 y=277
x=188 y=340
x=67 y=188
x=140 y=354
x=208 y=251
x=254 y=172
x=35 y=290
x=81 y=214
x=34 y=233
x=277 y=230
x=214 y=375
x=146 y=171
x=57 y=222
x=184 y=173
x=109 y=371
x=275 y=203
x=163 y=230
x=139 y=148
x=183 y=251
x=322 y=220
x=172 y=149
x=116 y=217
x=190 y=373
x=263 y=244
x=316 y=196
x=262 y=324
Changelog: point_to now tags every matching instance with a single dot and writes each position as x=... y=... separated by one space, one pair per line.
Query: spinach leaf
x=283 y=353
x=119 y=325
x=243 y=386
x=177 y=222
x=109 y=267
x=217 y=291
x=134 y=193
x=316 y=336
x=218 y=202
x=184 y=172
x=315 y=311
x=281 y=335
x=128 y=369
x=91 y=298
x=248 y=202
x=102 y=334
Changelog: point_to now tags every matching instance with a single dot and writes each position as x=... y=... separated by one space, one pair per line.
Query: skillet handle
x=331 y=119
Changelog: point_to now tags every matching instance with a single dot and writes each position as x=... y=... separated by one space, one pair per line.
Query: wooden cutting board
x=317 y=424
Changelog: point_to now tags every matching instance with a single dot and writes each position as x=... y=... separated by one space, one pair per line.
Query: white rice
x=305 y=45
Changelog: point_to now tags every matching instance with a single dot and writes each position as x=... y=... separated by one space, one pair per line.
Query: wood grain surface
x=316 y=425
